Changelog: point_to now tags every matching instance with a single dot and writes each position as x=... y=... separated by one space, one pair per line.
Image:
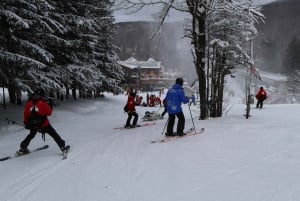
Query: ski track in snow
x=29 y=183
x=234 y=159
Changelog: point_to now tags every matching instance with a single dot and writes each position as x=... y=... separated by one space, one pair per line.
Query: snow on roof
x=132 y=63
x=131 y=59
x=150 y=59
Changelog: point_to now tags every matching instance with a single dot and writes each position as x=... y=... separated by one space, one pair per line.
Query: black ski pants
x=180 y=123
x=130 y=115
x=47 y=129
x=259 y=103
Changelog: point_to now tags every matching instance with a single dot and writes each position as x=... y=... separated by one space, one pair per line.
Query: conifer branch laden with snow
x=40 y=39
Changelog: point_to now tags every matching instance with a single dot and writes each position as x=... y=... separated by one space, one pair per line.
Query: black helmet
x=179 y=81
x=39 y=92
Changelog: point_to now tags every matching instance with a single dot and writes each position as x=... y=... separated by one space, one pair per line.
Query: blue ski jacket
x=174 y=98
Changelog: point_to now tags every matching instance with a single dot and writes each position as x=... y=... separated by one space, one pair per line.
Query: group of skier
x=172 y=103
x=37 y=110
x=175 y=97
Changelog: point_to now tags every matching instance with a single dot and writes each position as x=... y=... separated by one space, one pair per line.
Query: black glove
x=26 y=126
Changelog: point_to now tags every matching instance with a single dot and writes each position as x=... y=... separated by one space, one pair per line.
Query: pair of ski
x=189 y=132
x=137 y=126
x=17 y=154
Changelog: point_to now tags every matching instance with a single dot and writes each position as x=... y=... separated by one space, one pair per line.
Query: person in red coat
x=35 y=119
x=152 y=101
x=261 y=96
x=131 y=110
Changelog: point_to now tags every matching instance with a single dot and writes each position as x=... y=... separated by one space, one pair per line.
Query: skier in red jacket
x=261 y=96
x=131 y=109
x=35 y=119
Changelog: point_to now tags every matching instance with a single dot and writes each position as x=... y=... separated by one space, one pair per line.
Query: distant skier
x=147 y=99
x=261 y=96
x=35 y=119
x=131 y=109
x=193 y=100
x=175 y=97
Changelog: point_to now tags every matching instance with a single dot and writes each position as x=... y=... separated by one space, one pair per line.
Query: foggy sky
x=185 y=63
x=146 y=13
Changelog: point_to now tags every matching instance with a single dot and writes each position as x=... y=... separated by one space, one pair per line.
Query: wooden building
x=147 y=75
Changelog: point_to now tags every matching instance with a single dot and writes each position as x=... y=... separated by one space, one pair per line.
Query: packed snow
x=234 y=159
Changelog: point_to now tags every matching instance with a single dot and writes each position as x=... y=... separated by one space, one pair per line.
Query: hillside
x=234 y=159
x=280 y=28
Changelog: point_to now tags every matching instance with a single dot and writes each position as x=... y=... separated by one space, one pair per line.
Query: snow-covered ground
x=235 y=159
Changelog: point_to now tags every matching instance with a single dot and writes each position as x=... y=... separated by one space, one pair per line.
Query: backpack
x=35 y=119
x=126 y=108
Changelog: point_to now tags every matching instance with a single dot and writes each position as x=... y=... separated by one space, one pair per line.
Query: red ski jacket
x=261 y=95
x=43 y=109
x=131 y=102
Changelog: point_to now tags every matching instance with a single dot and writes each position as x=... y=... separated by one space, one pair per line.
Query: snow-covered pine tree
x=23 y=59
x=87 y=50
x=52 y=44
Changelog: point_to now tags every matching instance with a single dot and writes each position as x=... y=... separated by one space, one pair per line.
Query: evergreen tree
x=23 y=59
x=55 y=43
x=86 y=59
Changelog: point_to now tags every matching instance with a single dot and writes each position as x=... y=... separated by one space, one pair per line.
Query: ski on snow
x=137 y=126
x=189 y=132
x=65 y=152
x=18 y=155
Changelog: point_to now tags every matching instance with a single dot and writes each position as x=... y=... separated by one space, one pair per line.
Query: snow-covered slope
x=235 y=159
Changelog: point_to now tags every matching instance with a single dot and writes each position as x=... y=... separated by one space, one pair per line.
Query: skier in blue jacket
x=175 y=97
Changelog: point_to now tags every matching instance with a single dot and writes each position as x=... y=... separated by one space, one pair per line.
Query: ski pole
x=43 y=136
x=192 y=118
x=165 y=126
x=9 y=121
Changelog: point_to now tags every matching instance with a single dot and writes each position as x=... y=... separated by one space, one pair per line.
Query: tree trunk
x=12 y=92
x=199 y=42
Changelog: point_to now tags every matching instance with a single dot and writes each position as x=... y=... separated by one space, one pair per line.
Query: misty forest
x=73 y=47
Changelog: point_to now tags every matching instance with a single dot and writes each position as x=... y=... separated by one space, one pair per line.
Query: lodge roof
x=132 y=63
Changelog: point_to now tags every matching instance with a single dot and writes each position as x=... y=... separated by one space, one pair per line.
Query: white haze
x=146 y=14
